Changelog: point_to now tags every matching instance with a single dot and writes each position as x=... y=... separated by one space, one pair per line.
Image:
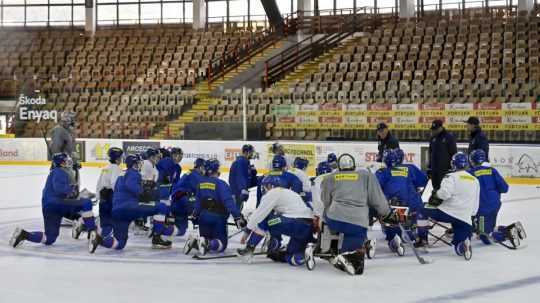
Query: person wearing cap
x=478 y=138
x=386 y=140
x=442 y=147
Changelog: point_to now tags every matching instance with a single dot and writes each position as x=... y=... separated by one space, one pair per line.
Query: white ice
x=65 y=272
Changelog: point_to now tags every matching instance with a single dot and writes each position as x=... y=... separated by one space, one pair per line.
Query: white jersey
x=281 y=201
x=149 y=171
x=306 y=183
x=460 y=192
x=318 y=205
x=107 y=178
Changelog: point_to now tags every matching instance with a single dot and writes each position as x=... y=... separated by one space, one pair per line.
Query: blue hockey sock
x=295 y=259
x=274 y=244
x=158 y=227
x=254 y=239
x=485 y=238
x=89 y=223
x=216 y=245
x=169 y=230
x=35 y=237
x=498 y=236
x=108 y=242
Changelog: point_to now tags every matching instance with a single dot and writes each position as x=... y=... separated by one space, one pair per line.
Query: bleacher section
x=471 y=58
x=128 y=82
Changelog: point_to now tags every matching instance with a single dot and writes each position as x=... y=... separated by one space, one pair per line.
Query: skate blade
x=157 y=246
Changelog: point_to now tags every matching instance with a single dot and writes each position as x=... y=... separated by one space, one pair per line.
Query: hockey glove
x=392 y=218
x=240 y=222
x=76 y=165
x=316 y=225
x=194 y=219
x=244 y=196
x=434 y=200
x=178 y=195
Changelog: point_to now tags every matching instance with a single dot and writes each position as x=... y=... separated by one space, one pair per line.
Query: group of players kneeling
x=327 y=216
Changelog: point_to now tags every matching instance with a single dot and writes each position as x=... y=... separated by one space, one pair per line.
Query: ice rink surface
x=65 y=272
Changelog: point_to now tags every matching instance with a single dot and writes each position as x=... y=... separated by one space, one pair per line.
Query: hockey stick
x=408 y=240
x=236 y=233
x=197 y=257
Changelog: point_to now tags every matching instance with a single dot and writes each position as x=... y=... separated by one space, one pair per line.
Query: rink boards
x=517 y=163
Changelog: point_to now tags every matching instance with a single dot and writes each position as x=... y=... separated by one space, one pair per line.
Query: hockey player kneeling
x=60 y=199
x=183 y=195
x=347 y=195
x=126 y=208
x=281 y=212
x=398 y=185
x=213 y=206
x=455 y=202
x=492 y=185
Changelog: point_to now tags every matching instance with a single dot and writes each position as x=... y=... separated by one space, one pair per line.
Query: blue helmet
x=132 y=160
x=477 y=157
x=323 y=168
x=332 y=158
x=211 y=166
x=390 y=158
x=301 y=163
x=278 y=162
x=114 y=154
x=151 y=152
x=247 y=148
x=274 y=181
x=59 y=158
x=459 y=161
x=176 y=151
x=164 y=152
x=400 y=155
x=199 y=163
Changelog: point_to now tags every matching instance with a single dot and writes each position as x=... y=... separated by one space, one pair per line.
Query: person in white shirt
x=149 y=175
x=299 y=170
x=105 y=188
x=455 y=202
x=281 y=212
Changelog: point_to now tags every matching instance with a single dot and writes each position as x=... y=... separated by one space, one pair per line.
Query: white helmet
x=346 y=162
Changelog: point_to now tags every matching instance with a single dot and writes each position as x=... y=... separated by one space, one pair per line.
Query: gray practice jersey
x=347 y=196
x=62 y=141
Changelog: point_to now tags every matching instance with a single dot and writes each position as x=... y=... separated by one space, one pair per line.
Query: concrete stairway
x=204 y=95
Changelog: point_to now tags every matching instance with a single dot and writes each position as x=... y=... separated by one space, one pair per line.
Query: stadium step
x=203 y=101
x=312 y=66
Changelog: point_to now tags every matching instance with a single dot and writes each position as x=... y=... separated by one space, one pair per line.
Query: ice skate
x=159 y=243
x=94 y=241
x=18 y=237
x=246 y=253
x=464 y=249
x=396 y=246
x=370 y=247
x=77 y=228
x=309 y=256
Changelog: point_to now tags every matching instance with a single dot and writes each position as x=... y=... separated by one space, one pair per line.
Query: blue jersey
x=169 y=171
x=57 y=187
x=418 y=177
x=188 y=183
x=128 y=189
x=492 y=185
x=240 y=175
x=217 y=190
x=288 y=180
x=397 y=183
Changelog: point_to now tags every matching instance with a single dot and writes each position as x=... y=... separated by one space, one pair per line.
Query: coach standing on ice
x=442 y=147
x=478 y=138
x=386 y=140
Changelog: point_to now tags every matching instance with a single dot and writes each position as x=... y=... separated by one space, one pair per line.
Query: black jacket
x=441 y=149
x=390 y=142
x=479 y=141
